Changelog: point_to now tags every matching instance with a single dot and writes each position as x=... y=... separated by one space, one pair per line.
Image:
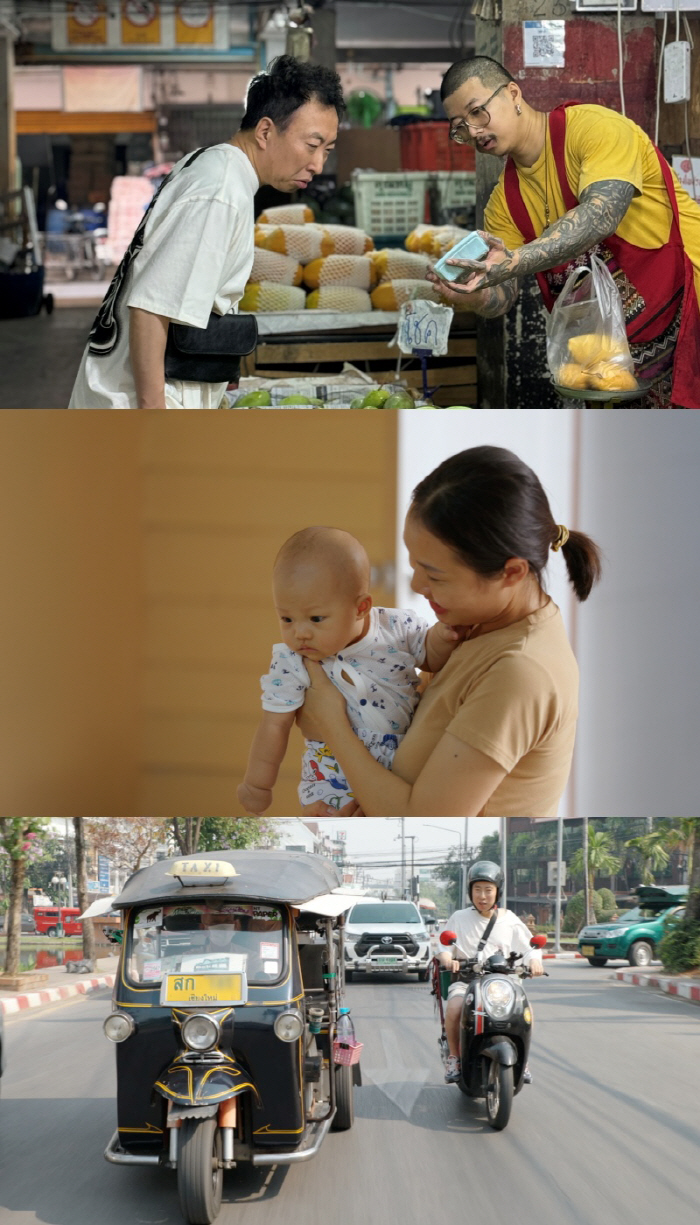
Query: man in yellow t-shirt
x=584 y=178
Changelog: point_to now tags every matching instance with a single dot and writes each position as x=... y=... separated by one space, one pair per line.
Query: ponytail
x=583 y=562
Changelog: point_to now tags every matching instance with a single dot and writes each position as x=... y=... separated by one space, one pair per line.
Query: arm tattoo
x=498 y=299
x=597 y=216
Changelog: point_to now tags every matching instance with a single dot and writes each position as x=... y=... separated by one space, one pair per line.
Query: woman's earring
x=518 y=110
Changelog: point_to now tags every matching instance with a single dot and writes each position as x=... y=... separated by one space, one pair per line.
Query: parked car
x=386 y=937
x=635 y=936
x=28 y=927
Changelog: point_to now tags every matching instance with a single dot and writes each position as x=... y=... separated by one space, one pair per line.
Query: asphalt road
x=608 y=1132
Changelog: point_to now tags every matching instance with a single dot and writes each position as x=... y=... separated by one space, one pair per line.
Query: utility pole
x=69 y=862
x=412 y=838
x=557 y=904
x=504 y=859
x=403 y=856
x=586 y=886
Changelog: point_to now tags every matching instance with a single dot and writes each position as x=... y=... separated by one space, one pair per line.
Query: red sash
x=656 y=286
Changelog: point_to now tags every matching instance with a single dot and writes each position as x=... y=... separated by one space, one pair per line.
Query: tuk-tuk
x=224 y=1014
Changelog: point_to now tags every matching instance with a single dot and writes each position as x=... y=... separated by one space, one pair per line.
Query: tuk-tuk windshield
x=167 y=939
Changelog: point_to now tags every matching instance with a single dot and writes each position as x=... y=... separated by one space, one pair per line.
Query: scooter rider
x=505 y=933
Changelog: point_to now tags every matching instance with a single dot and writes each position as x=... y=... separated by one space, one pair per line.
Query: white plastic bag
x=586 y=335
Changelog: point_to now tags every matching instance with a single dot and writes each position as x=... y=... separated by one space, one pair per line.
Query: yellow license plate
x=588 y=950
x=193 y=989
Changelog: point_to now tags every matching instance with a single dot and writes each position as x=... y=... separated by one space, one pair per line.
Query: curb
x=32 y=999
x=670 y=986
x=559 y=956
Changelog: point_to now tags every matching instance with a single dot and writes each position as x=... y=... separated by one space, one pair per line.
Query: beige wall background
x=135 y=617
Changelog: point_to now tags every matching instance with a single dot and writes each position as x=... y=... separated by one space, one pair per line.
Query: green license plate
x=388 y=961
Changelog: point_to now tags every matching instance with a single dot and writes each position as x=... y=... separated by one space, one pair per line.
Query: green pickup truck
x=635 y=935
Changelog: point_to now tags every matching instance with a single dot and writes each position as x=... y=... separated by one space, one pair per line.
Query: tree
x=82 y=885
x=192 y=834
x=692 y=910
x=681 y=837
x=601 y=862
x=653 y=852
x=450 y=871
x=21 y=840
x=128 y=842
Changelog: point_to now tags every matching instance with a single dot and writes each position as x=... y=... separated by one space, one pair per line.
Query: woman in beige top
x=494 y=732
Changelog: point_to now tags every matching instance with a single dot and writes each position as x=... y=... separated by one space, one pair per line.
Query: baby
x=321 y=581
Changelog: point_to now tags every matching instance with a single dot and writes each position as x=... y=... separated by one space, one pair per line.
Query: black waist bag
x=210 y=354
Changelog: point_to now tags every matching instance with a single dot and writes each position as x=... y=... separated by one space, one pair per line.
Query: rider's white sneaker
x=453 y=1069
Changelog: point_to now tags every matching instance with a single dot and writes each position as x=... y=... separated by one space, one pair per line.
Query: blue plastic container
x=470 y=247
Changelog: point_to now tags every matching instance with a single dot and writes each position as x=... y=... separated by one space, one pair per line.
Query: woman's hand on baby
x=324 y=705
x=351 y=809
x=254 y=799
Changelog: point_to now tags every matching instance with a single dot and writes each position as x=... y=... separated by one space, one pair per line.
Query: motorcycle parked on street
x=495 y=1026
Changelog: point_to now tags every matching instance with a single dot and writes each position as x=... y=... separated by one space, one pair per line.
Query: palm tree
x=653 y=851
x=601 y=861
x=682 y=838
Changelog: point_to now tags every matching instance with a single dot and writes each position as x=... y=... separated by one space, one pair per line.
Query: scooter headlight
x=289 y=1026
x=118 y=1027
x=499 y=998
x=200 y=1032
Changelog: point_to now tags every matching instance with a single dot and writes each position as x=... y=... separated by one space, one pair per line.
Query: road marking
x=402 y=1084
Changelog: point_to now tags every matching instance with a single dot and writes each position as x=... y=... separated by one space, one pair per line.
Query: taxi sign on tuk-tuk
x=188 y=990
x=199 y=870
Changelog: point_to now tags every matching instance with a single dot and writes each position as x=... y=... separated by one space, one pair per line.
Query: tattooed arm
x=597 y=216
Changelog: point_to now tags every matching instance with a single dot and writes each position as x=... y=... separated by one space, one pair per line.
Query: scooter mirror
x=448 y=938
x=538 y=942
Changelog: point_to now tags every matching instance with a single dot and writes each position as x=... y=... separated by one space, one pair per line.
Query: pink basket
x=347 y=1053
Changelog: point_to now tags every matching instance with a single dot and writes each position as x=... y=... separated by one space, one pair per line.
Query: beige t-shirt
x=513 y=695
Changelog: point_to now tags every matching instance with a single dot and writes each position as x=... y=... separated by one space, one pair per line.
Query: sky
x=373 y=838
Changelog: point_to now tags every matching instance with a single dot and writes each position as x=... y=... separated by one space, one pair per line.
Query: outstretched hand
x=494 y=268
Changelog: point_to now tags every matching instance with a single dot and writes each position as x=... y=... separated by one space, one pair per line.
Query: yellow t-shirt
x=601 y=144
x=513 y=695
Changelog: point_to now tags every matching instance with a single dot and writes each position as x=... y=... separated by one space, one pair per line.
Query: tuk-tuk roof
x=276 y=876
x=660 y=896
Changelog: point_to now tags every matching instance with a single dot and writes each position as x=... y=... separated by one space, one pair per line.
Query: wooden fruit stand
x=328 y=346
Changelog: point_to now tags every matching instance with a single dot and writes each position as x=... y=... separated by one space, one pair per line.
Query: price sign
x=424 y=325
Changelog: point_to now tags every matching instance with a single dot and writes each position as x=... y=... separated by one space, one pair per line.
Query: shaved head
x=481 y=68
x=324 y=551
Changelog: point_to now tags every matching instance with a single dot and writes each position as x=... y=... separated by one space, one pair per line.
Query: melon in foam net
x=270 y=266
x=271 y=296
x=339 y=298
x=390 y=295
x=287 y=214
x=354 y=270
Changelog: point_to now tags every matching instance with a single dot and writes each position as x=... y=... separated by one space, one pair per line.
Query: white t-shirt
x=382 y=666
x=508 y=935
x=193 y=256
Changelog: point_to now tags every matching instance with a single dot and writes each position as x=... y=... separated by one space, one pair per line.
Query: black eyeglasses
x=478 y=117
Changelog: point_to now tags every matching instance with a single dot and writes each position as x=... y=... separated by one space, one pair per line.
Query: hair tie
x=562 y=537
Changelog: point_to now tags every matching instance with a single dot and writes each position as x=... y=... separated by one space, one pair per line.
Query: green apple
x=399 y=400
x=254 y=399
x=377 y=398
x=358 y=402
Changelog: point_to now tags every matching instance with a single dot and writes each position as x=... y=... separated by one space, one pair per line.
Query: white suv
x=386 y=937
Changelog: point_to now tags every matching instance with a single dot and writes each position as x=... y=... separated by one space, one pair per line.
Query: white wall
x=638 y=737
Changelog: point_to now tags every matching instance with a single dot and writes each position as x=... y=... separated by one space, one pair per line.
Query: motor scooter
x=495 y=1026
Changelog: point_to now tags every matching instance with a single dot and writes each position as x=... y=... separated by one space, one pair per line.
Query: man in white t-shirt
x=193 y=251
x=508 y=935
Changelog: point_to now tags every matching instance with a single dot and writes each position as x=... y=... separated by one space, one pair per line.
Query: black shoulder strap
x=489 y=929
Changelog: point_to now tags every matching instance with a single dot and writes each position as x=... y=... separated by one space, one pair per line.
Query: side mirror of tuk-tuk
x=448 y=938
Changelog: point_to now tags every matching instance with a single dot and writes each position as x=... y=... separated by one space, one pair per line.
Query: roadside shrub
x=605 y=916
x=680 y=948
x=607 y=900
x=575 y=916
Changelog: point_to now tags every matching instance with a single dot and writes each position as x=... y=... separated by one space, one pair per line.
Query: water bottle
x=345 y=1030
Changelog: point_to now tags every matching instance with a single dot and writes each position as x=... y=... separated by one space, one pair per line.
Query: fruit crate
x=455 y=189
x=390 y=203
x=427 y=146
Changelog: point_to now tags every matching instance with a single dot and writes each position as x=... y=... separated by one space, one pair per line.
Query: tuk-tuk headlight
x=118 y=1026
x=289 y=1026
x=200 y=1032
x=499 y=997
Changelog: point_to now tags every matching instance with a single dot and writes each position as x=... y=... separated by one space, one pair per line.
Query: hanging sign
x=140 y=22
x=424 y=325
x=194 y=24
x=86 y=25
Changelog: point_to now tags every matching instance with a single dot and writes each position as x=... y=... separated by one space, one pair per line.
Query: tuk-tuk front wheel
x=199 y=1174
x=344 y=1100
